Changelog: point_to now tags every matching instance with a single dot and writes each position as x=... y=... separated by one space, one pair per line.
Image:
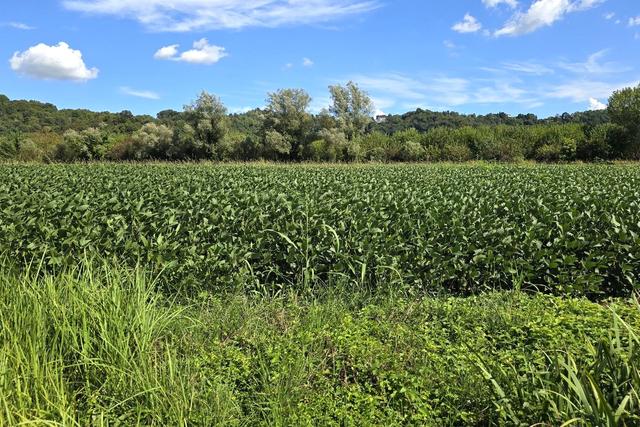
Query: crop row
x=456 y=229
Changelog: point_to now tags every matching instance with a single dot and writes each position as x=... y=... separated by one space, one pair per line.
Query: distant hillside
x=423 y=120
x=34 y=116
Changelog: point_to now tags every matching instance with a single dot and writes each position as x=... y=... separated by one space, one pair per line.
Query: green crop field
x=201 y=294
x=432 y=229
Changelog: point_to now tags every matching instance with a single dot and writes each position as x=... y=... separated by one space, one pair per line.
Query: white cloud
x=396 y=91
x=543 y=13
x=584 y=90
x=306 y=62
x=18 y=26
x=594 y=66
x=609 y=16
x=634 y=22
x=146 y=94
x=193 y=15
x=594 y=104
x=468 y=25
x=499 y=93
x=202 y=53
x=58 y=62
x=580 y=5
x=167 y=52
x=397 y=85
x=449 y=44
x=380 y=105
x=444 y=91
x=452 y=48
x=496 y=3
x=527 y=68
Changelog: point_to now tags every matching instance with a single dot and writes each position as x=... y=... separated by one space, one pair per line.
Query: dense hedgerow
x=429 y=229
x=286 y=131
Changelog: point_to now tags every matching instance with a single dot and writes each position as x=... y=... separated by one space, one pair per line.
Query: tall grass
x=92 y=348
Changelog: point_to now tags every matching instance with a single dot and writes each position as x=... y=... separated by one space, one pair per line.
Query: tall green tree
x=624 y=110
x=352 y=107
x=207 y=115
x=287 y=116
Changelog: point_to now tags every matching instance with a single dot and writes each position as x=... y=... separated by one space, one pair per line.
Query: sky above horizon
x=472 y=56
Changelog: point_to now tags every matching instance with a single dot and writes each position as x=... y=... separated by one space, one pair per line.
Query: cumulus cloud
x=167 y=52
x=202 y=53
x=59 y=62
x=496 y=3
x=468 y=25
x=594 y=104
x=193 y=15
x=146 y=94
x=306 y=62
x=634 y=22
x=543 y=13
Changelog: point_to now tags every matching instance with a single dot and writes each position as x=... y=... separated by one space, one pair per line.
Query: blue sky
x=472 y=56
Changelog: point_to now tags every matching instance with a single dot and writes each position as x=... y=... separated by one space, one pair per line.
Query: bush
x=503 y=146
x=89 y=144
x=599 y=144
x=456 y=153
x=320 y=151
x=276 y=145
x=72 y=148
x=374 y=146
x=548 y=153
x=438 y=137
x=333 y=145
x=432 y=153
x=231 y=146
x=8 y=149
x=412 y=152
x=151 y=141
x=407 y=146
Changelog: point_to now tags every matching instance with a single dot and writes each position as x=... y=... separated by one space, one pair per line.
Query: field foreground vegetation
x=102 y=347
x=319 y=295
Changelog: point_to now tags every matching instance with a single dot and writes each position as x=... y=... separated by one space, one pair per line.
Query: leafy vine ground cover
x=429 y=228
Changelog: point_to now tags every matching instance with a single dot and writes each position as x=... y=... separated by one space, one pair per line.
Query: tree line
x=286 y=131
